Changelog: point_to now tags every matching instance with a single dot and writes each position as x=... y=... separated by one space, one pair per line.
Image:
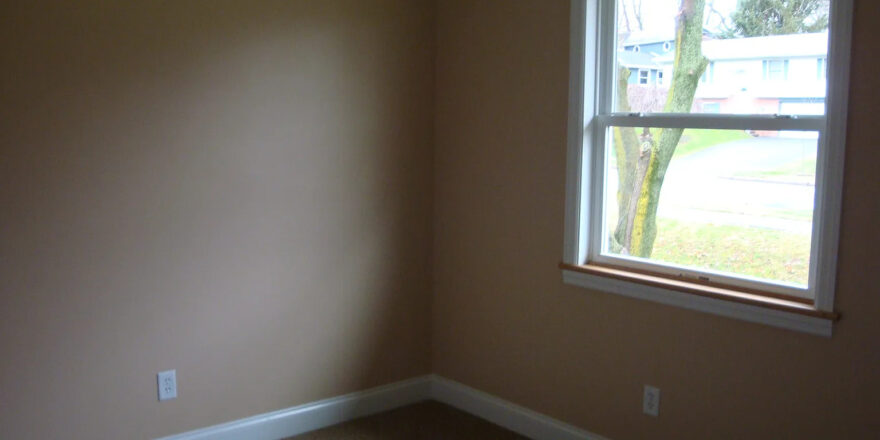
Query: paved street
x=710 y=186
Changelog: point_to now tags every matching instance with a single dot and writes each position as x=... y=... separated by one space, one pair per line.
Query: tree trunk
x=639 y=190
x=626 y=151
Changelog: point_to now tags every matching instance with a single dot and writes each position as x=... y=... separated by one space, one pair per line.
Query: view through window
x=690 y=195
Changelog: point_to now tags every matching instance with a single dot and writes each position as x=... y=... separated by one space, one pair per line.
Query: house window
x=684 y=206
x=636 y=48
x=660 y=77
x=775 y=70
x=709 y=74
x=667 y=46
x=711 y=107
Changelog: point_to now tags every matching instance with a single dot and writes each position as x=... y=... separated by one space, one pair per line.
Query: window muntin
x=732 y=93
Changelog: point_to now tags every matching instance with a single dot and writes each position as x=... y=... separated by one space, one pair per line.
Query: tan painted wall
x=240 y=190
x=505 y=323
x=243 y=191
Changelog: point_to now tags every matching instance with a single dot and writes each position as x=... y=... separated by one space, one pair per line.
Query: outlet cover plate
x=651 y=401
x=167 y=381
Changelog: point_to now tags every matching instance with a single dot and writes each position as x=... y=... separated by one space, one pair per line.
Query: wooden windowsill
x=796 y=306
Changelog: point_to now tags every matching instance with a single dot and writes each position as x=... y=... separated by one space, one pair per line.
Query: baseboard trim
x=316 y=415
x=501 y=412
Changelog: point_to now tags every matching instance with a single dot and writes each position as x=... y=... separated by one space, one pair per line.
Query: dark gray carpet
x=422 y=421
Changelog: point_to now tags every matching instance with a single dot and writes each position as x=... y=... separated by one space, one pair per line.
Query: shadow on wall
x=238 y=190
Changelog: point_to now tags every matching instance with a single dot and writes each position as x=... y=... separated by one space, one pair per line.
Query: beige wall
x=505 y=323
x=240 y=190
x=245 y=191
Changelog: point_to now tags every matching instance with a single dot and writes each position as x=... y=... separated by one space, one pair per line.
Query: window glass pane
x=748 y=57
x=731 y=201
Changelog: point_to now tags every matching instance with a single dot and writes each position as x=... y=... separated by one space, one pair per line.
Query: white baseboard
x=316 y=415
x=311 y=416
x=503 y=413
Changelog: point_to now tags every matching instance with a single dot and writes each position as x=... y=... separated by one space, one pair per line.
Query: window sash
x=597 y=233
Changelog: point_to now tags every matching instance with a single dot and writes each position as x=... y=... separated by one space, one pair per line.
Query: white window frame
x=587 y=125
x=766 y=64
x=647 y=77
x=709 y=74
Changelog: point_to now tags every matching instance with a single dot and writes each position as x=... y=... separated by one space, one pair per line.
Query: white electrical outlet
x=651 y=401
x=167 y=384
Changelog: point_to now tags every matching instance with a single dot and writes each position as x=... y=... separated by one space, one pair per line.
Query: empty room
x=439 y=219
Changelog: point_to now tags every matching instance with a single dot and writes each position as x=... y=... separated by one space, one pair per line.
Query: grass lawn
x=693 y=140
x=799 y=171
x=762 y=253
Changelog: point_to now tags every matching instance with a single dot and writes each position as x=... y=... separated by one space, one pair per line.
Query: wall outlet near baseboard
x=167 y=385
x=651 y=401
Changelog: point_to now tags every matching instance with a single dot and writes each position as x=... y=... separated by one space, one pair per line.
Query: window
x=775 y=70
x=715 y=203
x=667 y=46
x=709 y=74
x=820 y=69
x=660 y=77
x=711 y=107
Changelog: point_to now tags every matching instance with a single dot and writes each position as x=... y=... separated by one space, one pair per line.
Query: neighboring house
x=782 y=74
x=644 y=70
x=639 y=54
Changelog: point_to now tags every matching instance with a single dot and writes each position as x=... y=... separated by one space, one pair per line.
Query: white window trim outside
x=647 y=76
x=709 y=74
x=589 y=19
x=768 y=73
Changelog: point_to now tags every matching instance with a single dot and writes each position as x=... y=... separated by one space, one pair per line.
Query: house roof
x=628 y=58
x=775 y=46
x=648 y=37
x=654 y=36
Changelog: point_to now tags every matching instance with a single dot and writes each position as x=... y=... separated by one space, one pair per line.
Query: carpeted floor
x=422 y=421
